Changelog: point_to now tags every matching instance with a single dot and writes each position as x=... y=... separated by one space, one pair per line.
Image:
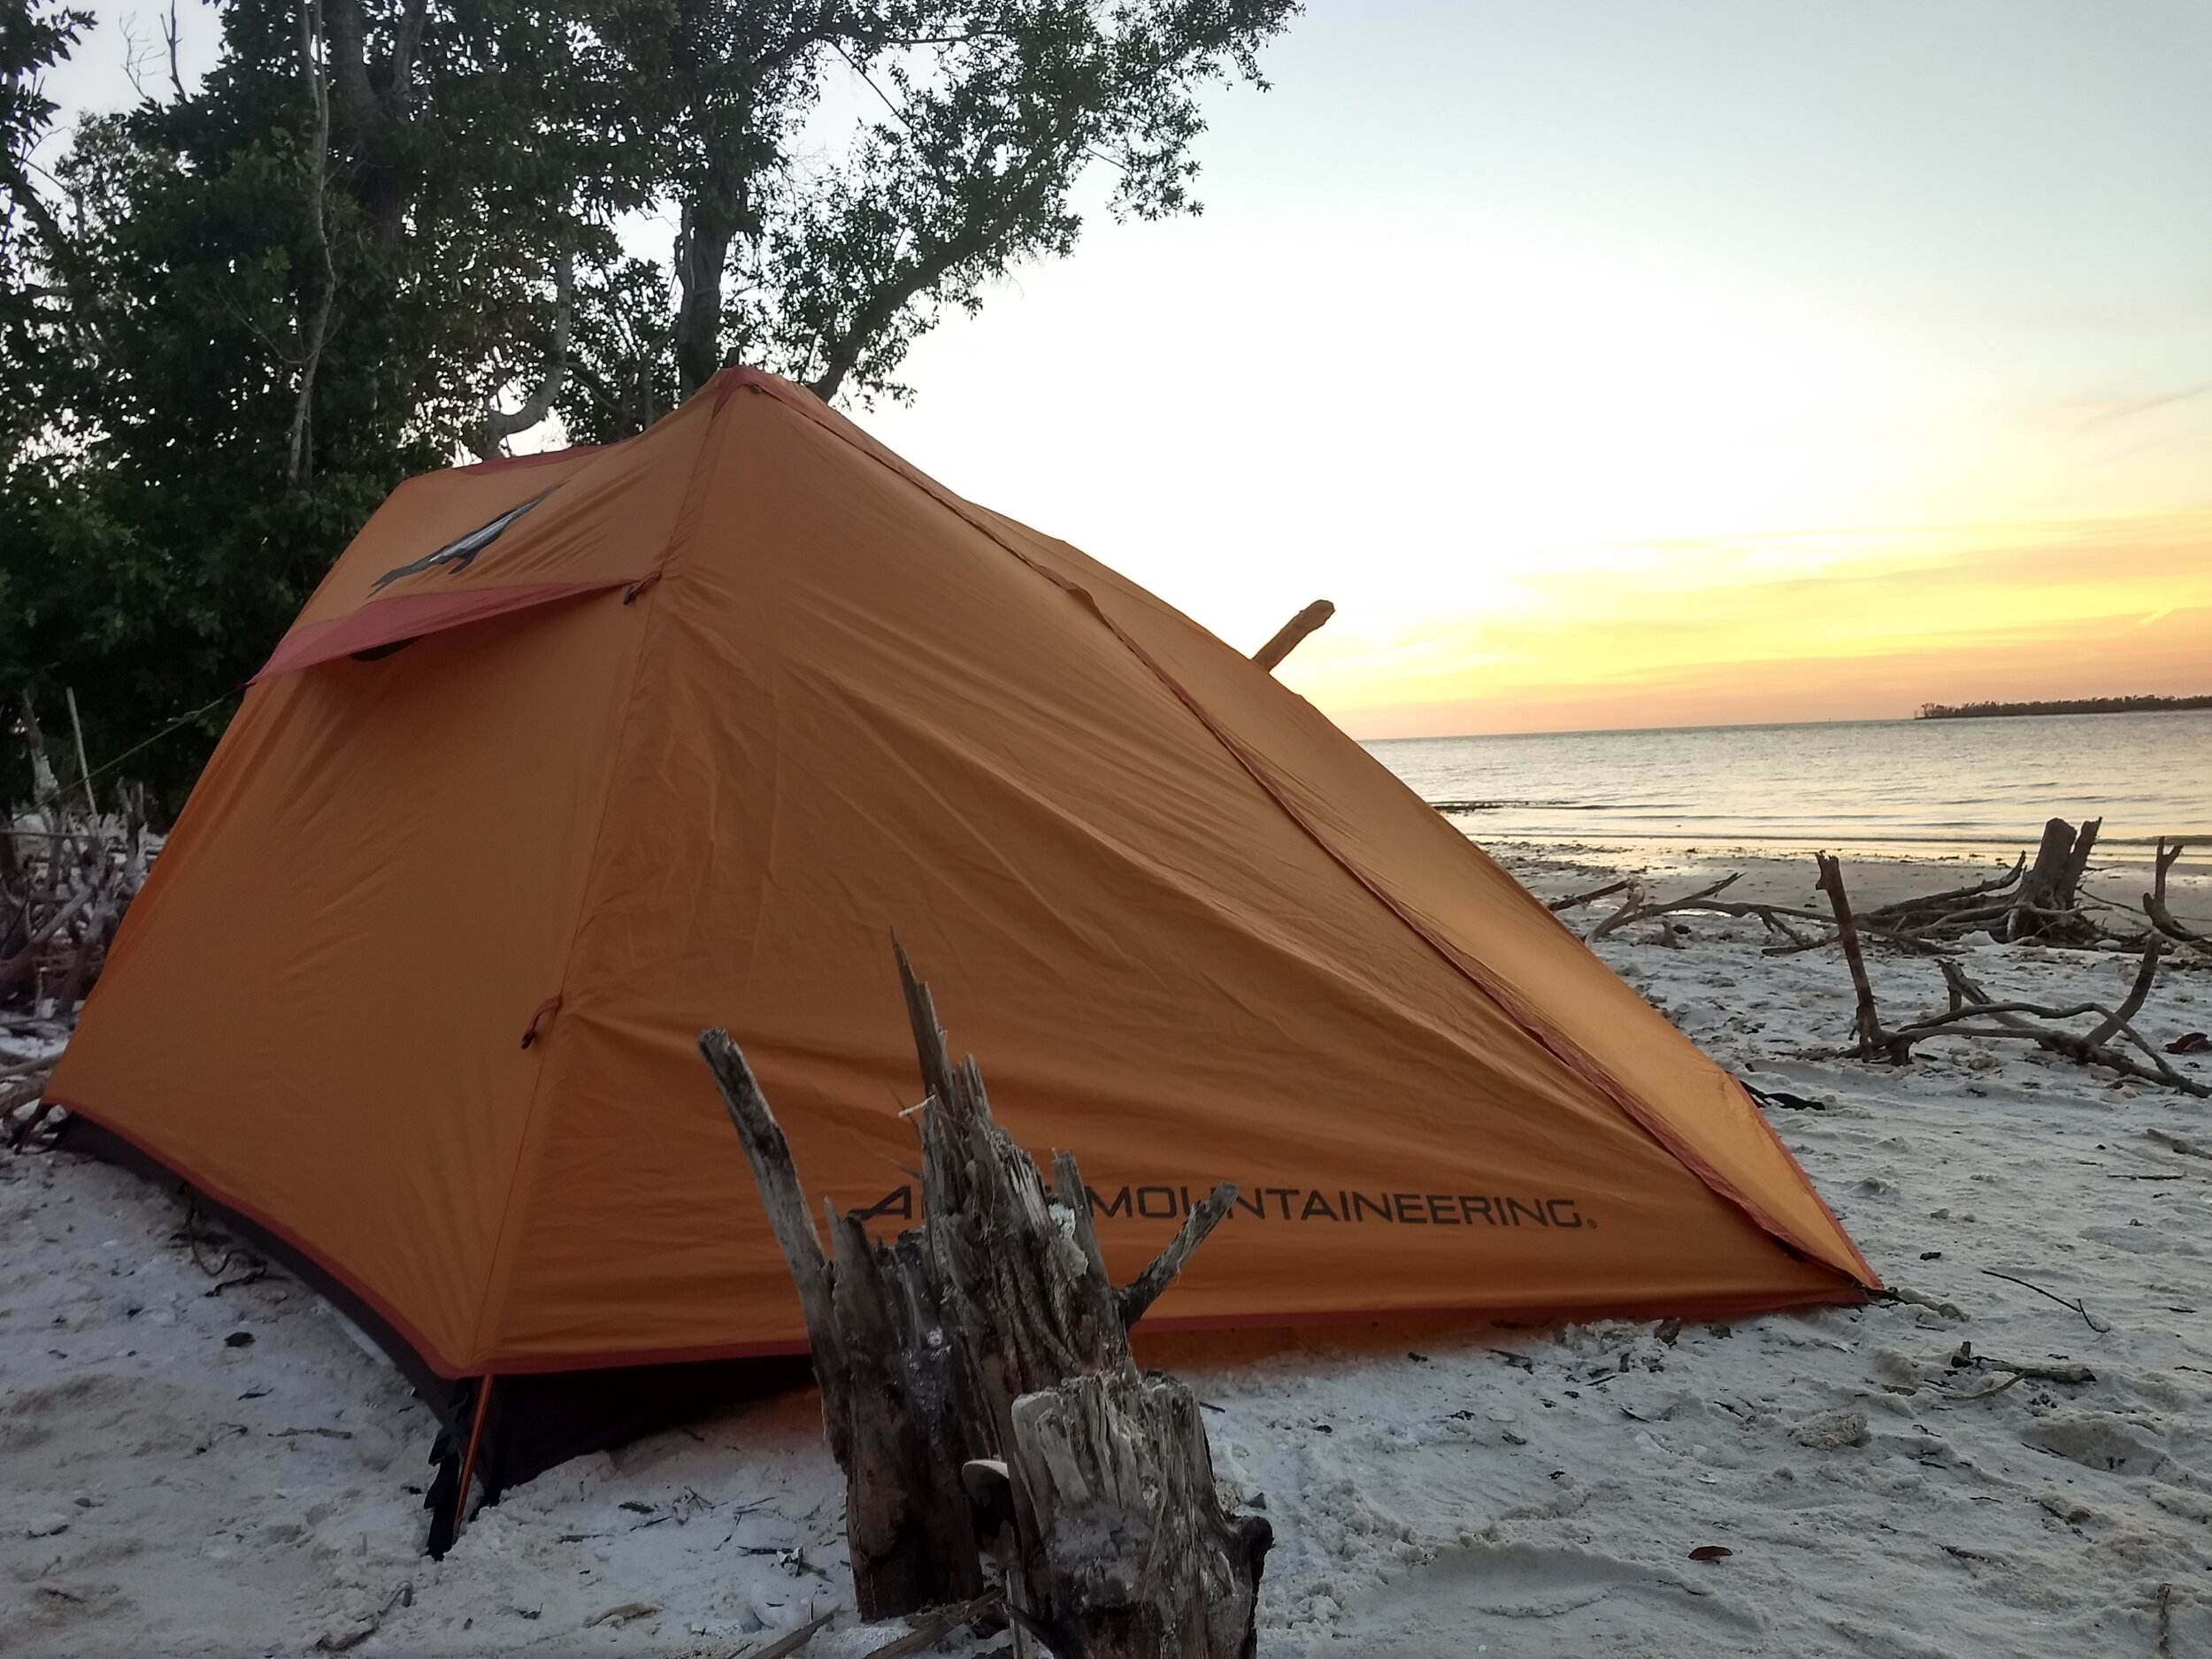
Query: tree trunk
x=703 y=258
x=978 y=1391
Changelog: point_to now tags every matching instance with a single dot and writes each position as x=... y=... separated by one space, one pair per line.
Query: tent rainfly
x=572 y=755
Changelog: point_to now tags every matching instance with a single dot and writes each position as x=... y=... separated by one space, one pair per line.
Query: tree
x=385 y=235
x=982 y=117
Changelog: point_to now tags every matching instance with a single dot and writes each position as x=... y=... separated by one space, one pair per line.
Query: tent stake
x=468 y=1458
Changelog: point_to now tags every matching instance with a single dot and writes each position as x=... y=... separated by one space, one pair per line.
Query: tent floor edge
x=541 y=1419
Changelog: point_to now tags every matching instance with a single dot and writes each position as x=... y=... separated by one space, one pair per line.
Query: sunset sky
x=1643 y=362
x=1635 y=361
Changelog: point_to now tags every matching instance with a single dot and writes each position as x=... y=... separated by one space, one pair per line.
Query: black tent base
x=532 y=1421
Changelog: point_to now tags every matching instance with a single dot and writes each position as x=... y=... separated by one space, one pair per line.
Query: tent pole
x=1286 y=637
x=468 y=1458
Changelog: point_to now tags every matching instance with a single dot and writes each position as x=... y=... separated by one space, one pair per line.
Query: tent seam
x=650 y=596
x=1557 y=1043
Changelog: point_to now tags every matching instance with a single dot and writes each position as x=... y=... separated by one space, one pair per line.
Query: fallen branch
x=1967 y=1359
x=1639 y=910
x=1867 y=1017
x=2014 y=1021
x=2089 y=1319
x=2025 y=1022
x=1776 y=918
x=2155 y=900
x=1938 y=906
x=1576 y=901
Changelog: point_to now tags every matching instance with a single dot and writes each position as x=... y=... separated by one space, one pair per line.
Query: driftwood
x=1576 y=901
x=1288 y=636
x=977 y=1390
x=2044 y=903
x=66 y=876
x=1965 y=1359
x=68 y=870
x=2155 y=900
x=1935 y=910
x=1785 y=922
x=1868 y=1020
x=1973 y=1012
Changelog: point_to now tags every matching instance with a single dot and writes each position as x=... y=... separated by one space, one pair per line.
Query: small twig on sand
x=935 y=1628
x=1921 y=1299
x=2177 y=1144
x=791 y=1641
x=1967 y=1359
x=2094 y=1323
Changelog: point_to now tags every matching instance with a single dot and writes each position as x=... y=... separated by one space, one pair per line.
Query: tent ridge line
x=1459 y=1042
x=1555 y=1043
x=647 y=598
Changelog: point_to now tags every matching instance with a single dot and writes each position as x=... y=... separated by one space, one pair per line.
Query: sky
x=1618 y=363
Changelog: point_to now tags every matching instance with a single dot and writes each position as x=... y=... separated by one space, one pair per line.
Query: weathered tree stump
x=2044 y=907
x=877 y=1330
x=979 y=1391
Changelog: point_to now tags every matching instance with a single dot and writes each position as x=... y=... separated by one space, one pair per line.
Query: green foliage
x=385 y=234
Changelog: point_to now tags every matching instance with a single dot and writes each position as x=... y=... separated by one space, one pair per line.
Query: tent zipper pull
x=545 y=1012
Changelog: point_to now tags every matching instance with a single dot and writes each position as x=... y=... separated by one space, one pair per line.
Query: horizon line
x=1755 y=726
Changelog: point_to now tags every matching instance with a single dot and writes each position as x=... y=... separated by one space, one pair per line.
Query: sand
x=190 y=1469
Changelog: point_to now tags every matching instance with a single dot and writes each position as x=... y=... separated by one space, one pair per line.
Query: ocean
x=1895 y=786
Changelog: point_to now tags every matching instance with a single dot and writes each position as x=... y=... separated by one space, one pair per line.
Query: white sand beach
x=193 y=1471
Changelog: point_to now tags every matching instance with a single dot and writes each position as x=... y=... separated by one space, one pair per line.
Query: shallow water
x=1899 y=784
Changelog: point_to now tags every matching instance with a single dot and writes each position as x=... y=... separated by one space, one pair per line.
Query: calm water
x=1868 y=783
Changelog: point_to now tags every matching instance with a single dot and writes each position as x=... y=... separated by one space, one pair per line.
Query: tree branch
x=501 y=424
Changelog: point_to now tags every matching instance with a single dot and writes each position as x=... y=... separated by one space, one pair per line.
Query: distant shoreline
x=2069 y=705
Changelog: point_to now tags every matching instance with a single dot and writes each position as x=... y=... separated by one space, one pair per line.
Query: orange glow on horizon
x=1725 y=631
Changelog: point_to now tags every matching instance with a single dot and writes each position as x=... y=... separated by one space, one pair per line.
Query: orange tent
x=572 y=755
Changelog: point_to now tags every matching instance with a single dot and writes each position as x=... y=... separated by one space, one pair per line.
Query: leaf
x=1712 y=1552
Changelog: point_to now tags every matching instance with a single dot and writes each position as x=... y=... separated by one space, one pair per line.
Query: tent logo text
x=1312 y=1204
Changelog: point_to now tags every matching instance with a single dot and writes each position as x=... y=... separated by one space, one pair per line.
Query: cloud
x=2076 y=414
